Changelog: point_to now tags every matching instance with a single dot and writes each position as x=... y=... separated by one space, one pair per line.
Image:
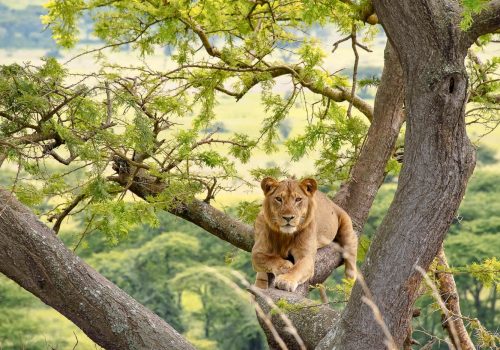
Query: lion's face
x=289 y=204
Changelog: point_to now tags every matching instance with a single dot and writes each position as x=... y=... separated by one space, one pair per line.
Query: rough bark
x=454 y=324
x=437 y=164
x=357 y=194
x=311 y=320
x=35 y=258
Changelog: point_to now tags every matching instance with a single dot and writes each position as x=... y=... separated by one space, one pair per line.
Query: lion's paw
x=286 y=282
x=282 y=268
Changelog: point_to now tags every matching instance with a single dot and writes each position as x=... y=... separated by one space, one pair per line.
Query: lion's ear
x=268 y=184
x=309 y=186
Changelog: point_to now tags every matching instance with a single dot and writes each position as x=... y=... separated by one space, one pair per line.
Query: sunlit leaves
x=116 y=218
x=241 y=147
x=139 y=135
x=260 y=173
x=470 y=8
x=247 y=211
x=63 y=17
x=487 y=272
x=28 y=194
x=338 y=138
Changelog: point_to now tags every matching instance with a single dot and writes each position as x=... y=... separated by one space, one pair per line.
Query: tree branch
x=60 y=217
x=486 y=21
x=311 y=320
x=33 y=256
x=449 y=295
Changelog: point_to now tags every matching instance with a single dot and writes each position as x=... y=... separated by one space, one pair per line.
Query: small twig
x=109 y=104
x=65 y=213
x=336 y=44
x=355 y=69
x=74 y=347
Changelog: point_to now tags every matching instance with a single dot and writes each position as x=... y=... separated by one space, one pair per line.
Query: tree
x=77 y=125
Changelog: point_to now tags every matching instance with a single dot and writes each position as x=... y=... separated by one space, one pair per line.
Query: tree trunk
x=437 y=164
x=35 y=258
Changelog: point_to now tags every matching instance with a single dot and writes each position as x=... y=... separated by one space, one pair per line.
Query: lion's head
x=289 y=204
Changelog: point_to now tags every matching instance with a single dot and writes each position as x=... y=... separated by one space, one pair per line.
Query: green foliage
x=260 y=173
x=488 y=272
x=241 y=147
x=486 y=155
x=139 y=135
x=224 y=315
x=116 y=218
x=247 y=211
x=486 y=339
x=15 y=328
x=338 y=137
x=63 y=16
x=283 y=306
x=363 y=245
x=145 y=272
x=470 y=8
x=28 y=194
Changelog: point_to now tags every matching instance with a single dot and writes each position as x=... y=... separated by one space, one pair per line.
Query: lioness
x=296 y=220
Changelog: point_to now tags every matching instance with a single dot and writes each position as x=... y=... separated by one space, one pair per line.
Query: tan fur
x=296 y=220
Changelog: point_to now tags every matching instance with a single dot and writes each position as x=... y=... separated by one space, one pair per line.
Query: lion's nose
x=288 y=218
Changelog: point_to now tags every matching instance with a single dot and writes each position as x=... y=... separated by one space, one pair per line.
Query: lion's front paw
x=286 y=282
x=283 y=267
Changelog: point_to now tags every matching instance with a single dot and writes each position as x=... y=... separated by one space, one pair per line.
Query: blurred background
x=159 y=266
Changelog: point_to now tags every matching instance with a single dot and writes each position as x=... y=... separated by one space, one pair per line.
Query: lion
x=295 y=221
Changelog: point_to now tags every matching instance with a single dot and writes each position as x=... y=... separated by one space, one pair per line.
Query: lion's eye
x=278 y=199
x=297 y=200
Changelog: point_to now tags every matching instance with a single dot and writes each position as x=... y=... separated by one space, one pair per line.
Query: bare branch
x=449 y=295
x=59 y=218
x=355 y=68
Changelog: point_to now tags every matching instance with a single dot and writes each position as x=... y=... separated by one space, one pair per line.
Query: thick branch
x=310 y=319
x=33 y=256
x=486 y=21
x=198 y=212
x=217 y=223
x=357 y=194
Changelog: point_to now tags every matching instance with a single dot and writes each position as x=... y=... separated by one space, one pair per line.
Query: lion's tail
x=348 y=240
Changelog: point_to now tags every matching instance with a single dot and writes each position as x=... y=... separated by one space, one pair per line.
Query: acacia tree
x=83 y=122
